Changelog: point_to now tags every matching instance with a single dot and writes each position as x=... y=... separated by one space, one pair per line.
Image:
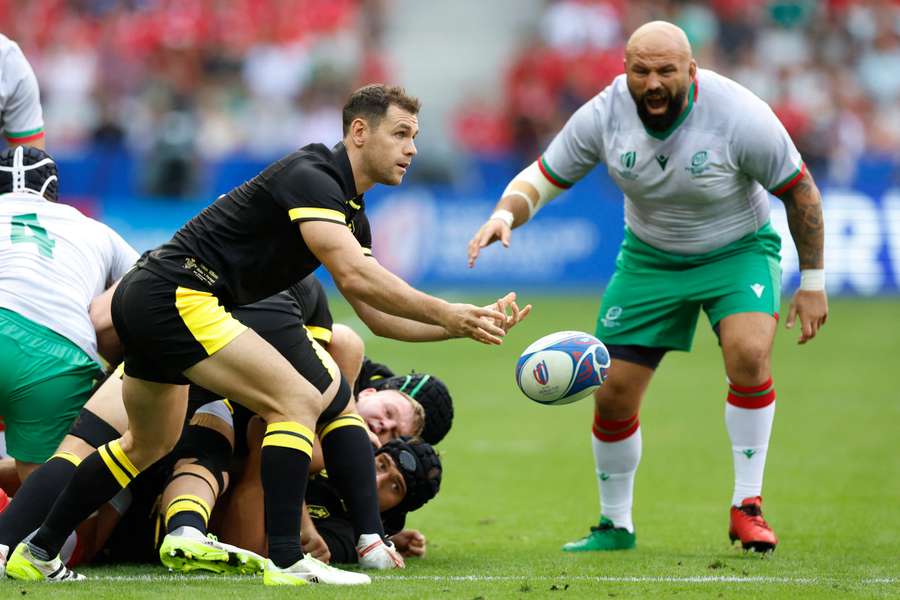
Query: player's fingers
x=490 y=326
x=806 y=330
x=505 y=235
x=490 y=313
x=524 y=313
x=474 y=248
x=792 y=315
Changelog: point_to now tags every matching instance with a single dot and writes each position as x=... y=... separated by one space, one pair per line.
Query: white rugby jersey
x=54 y=261
x=21 y=118
x=694 y=188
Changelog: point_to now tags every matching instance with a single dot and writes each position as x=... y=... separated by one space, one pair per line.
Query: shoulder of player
x=718 y=90
x=310 y=166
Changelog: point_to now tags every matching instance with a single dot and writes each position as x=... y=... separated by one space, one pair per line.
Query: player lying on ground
x=695 y=154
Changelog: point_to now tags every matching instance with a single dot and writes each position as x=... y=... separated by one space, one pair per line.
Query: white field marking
x=560 y=578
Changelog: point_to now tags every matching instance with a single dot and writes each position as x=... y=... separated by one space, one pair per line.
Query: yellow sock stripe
x=122 y=458
x=188 y=503
x=289 y=434
x=342 y=421
x=117 y=471
x=72 y=458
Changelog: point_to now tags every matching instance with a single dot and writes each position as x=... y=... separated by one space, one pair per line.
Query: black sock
x=350 y=462
x=285 y=456
x=35 y=498
x=98 y=478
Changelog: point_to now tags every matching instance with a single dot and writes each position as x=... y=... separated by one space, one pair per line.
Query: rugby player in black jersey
x=172 y=315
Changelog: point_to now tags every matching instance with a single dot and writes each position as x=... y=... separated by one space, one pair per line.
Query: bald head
x=659 y=68
x=659 y=38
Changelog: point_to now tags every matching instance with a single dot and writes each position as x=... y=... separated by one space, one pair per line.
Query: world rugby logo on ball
x=562 y=367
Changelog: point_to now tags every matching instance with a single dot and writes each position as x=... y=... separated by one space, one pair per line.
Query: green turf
x=519 y=479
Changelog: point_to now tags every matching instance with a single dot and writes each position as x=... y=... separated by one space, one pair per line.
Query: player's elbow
x=351 y=279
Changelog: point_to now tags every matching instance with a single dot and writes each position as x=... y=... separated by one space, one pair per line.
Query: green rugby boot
x=603 y=537
x=192 y=551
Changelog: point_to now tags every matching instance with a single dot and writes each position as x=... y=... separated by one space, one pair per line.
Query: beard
x=664 y=121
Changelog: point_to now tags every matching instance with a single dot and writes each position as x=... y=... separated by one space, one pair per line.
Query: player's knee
x=617 y=399
x=748 y=363
x=347 y=343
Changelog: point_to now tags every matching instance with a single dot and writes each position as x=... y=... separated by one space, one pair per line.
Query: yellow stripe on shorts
x=321 y=334
x=188 y=503
x=289 y=434
x=208 y=321
x=350 y=420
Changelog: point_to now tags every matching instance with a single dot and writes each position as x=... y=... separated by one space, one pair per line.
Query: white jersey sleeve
x=21 y=117
x=765 y=151
x=122 y=256
x=578 y=148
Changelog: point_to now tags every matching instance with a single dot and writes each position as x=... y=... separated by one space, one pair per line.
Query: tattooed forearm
x=803 y=204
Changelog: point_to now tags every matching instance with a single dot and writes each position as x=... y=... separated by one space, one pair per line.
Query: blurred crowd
x=830 y=70
x=184 y=81
x=181 y=81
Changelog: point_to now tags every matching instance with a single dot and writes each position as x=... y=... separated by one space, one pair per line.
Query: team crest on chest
x=699 y=163
x=628 y=160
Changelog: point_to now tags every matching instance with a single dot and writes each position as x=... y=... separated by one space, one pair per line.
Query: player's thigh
x=348 y=351
x=248 y=370
x=621 y=394
x=106 y=403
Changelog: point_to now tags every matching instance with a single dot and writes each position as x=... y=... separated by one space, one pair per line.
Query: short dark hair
x=371 y=102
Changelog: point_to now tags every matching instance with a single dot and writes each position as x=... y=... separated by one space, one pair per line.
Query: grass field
x=519 y=480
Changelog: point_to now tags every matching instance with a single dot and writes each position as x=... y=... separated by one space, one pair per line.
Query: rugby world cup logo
x=541 y=374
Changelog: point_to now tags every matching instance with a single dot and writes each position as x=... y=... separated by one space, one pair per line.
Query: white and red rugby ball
x=562 y=367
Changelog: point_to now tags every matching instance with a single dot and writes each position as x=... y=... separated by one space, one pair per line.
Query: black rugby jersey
x=246 y=245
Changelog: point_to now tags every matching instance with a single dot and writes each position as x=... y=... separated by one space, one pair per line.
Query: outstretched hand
x=812 y=309
x=508 y=306
x=479 y=324
x=487 y=234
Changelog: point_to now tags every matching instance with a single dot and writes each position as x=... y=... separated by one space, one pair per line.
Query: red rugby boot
x=749 y=526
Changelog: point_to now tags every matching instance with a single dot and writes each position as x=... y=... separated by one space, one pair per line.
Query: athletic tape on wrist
x=812 y=280
x=504 y=215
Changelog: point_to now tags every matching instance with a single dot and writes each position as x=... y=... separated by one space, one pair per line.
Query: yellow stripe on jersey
x=289 y=434
x=120 y=370
x=206 y=319
x=325 y=214
x=320 y=333
x=350 y=420
x=72 y=458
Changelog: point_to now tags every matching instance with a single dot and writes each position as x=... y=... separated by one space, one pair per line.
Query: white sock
x=616 y=464
x=749 y=430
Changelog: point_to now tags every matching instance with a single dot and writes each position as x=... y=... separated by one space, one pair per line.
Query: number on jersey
x=26 y=229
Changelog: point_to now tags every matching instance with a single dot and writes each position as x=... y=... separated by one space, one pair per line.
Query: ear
x=692 y=70
x=359 y=131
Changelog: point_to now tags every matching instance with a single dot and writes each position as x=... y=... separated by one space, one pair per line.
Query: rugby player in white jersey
x=53 y=262
x=21 y=118
x=694 y=154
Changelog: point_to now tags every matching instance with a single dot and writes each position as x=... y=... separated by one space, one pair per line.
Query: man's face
x=390 y=146
x=658 y=79
x=389 y=482
x=388 y=413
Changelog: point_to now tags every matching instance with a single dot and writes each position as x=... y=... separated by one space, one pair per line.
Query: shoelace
x=755 y=513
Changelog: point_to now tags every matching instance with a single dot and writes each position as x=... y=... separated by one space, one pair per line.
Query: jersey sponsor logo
x=662 y=160
x=699 y=163
x=611 y=318
x=628 y=160
x=201 y=271
x=758 y=289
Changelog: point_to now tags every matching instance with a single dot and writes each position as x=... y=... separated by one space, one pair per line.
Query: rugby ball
x=562 y=367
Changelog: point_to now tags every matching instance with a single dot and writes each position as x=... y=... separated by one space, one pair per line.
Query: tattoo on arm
x=803 y=204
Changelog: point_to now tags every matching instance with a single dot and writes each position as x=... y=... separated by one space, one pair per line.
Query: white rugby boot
x=375 y=553
x=309 y=570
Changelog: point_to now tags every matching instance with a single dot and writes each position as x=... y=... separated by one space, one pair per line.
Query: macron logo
x=758 y=289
